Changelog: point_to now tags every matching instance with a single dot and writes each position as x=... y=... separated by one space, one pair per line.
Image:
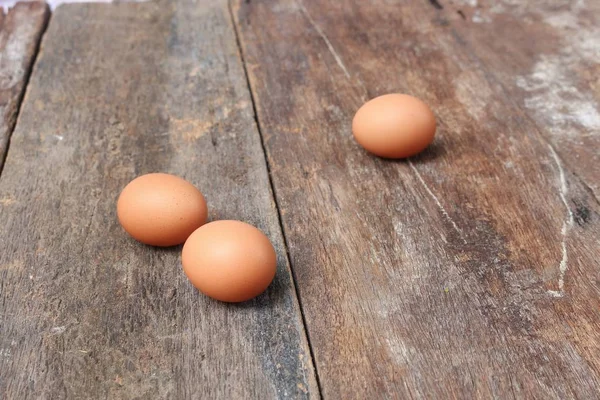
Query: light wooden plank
x=85 y=311
x=436 y=277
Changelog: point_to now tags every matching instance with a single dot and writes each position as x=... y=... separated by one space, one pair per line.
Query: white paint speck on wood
x=567 y=224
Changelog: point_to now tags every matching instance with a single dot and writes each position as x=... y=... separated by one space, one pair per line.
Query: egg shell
x=394 y=126
x=230 y=261
x=161 y=209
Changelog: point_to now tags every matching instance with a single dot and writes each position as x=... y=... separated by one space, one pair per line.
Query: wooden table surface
x=469 y=271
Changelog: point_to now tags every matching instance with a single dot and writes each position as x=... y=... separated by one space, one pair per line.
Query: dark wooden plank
x=438 y=277
x=546 y=56
x=85 y=311
x=20 y=33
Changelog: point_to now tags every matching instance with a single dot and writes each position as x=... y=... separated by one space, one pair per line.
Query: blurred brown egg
x=161 y=209
x=394 y=126
x=229 y=261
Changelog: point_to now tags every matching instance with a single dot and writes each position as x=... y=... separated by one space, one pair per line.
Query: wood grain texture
x=546 y=56
x=85 y=311
x=20 y=33
x=436 y=277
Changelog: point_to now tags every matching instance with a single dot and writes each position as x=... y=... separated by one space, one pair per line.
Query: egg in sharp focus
x=161 y=209
x=394 y=126
x=230 y=261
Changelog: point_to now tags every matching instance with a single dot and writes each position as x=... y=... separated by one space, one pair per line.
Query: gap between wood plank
x=275 y=198
x=21 y=95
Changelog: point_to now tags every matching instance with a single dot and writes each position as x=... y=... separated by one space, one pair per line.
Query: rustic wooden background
x=469 y=271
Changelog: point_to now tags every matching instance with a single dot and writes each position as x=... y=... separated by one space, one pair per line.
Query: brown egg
x=394 y=126
x=161 y=209
x=229 y=260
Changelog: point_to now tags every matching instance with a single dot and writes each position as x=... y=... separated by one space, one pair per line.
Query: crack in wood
x=437 y=201
x=275 y=197
x=334 y=53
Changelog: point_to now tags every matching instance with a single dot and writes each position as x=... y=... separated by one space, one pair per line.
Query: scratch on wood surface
x=567 y=224
x=7 y=201
x=437 y=201
x=338 y=59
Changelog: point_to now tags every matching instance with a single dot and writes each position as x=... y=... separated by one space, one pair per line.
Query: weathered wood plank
x=436 y=277
x=20 y=33
x=86 y=312
x=546 y=56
